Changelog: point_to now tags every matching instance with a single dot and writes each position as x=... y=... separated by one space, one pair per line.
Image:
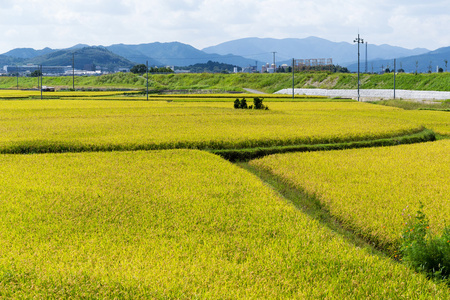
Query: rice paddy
x=175 y=221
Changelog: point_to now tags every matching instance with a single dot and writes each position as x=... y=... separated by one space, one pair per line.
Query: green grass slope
x=237 y=82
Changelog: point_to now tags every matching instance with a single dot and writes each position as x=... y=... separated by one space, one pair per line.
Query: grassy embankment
x=268 y=83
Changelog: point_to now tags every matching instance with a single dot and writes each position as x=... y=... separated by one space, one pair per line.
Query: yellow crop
x=172 y=224
x=12 y=94
x=438 y=121
x=106 y=125
x=373 y=190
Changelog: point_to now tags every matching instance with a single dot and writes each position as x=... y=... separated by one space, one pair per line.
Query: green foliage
x=237 y=104
x=210 y=67
x=160 y=70
x=139 y=69
x=243 y=104
x=257 y=104
x=36 y=73
x=423 y=251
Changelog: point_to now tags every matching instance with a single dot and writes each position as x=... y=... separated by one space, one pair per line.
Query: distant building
x=89 y=67
x=249 y=69
x=182 y=71
x=46 y=70
x=265 y=68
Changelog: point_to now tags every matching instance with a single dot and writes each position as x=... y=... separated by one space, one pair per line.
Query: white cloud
x=202 y=23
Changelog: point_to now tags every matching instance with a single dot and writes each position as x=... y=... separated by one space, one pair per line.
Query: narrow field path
x=254 y=91
x=371 y=94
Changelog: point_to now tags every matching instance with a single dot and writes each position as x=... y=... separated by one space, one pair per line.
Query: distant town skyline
x=203 y=23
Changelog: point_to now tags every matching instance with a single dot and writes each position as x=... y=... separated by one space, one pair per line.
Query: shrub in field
x=237 y=104
x=424 y=252
x=243 y=104
x=257 y=104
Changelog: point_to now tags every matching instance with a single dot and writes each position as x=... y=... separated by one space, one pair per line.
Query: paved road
x=369 y=95
x=255 y=91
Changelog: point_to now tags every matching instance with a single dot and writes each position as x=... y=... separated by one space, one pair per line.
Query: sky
x=201 y=23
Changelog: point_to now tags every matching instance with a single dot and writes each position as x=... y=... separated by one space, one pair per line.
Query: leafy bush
x=243 y=104
x=237 y=104
x=424 y=252
x=257 y=104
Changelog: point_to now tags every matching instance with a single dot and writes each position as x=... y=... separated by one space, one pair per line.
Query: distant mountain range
x=241 y=52
x=342 y=53
x=427 y=62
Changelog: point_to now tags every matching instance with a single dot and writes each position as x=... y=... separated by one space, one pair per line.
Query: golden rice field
x=86 y=125
x=173 y=224
x=180 y=224
x=140 y=95
x=373 y=191
x=438 y=121
x=24 y=94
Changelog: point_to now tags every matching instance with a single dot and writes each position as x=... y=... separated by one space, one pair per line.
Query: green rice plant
x=173 y=224
x=365 y=189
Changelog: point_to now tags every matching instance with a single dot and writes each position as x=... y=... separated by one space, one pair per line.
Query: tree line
x=142 y=69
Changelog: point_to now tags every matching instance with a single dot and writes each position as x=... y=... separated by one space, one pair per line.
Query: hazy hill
x=27 y=53
x=241 y=52
x=422 y=63
x=9 y=60
x=173 y=54
x=98 y=56
x=342 y=53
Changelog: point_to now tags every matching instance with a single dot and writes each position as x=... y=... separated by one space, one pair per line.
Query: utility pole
x=395 y=66
x=366 y=57
x=274 y=64
x=17 y=76
x=293 y=83
x=147 y=78
x=41 y=80
x=73 y=71
x=359 y=41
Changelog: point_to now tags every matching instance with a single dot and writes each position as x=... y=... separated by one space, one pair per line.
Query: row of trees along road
x=142 y=69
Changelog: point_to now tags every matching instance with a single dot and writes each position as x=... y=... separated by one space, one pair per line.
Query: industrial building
x=46 y=70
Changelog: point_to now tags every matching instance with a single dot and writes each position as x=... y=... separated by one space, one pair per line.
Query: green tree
x=139 y=69
x=36 y=73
